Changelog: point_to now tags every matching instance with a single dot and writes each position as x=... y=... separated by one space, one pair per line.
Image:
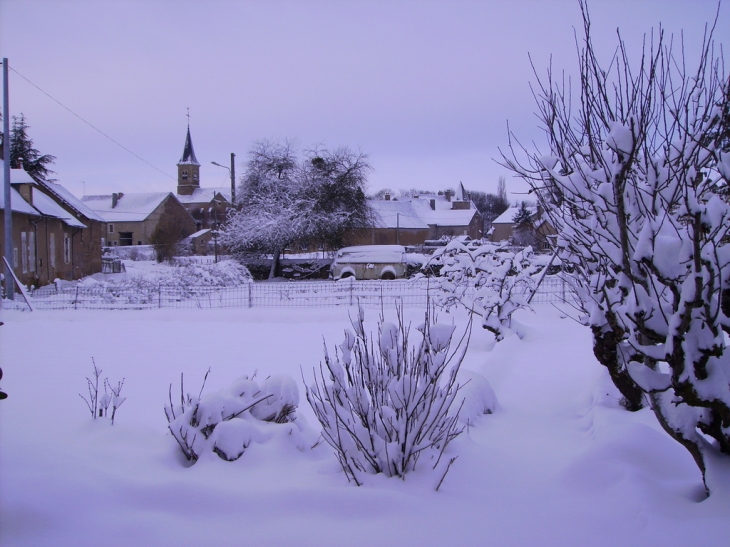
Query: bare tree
x=630 y=182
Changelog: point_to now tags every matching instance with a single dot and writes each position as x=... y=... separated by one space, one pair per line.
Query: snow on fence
x=295 y=294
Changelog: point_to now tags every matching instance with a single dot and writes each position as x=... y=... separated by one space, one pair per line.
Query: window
x=185 y=175
x=195 y=176
x=115 y=243
x=66 y=249
x=31 y=251
x=139 y=243
x=125 y=238
x=52 y=252
x=111 y=228
x=15 y=257
x=24 y=251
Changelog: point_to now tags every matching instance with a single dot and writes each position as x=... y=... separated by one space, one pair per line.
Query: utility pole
x=232 y=171
x=233 y=180
x=8 y=244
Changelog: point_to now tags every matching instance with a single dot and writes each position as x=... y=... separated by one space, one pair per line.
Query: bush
x=228 y=421
x=489 y=280
x=384 y=406
x=99 y=403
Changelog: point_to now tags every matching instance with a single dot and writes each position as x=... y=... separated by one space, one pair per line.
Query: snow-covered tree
x=22 y=151
x=283 y=200
x=490 y=281
x=630 y=183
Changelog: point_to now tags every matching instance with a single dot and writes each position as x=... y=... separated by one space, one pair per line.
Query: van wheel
x=388 y=276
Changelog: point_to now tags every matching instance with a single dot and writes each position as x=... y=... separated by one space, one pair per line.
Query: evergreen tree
x=523 y=216
x=22 y=152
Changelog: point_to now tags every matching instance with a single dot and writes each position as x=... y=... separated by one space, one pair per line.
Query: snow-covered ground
x=560 y=464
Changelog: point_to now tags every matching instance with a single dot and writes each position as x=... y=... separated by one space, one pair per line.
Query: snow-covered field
x=559 y=464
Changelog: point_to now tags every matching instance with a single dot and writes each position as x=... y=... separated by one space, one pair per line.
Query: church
x=207 y=206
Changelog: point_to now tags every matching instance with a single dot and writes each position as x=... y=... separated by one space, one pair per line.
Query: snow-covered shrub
x=489 y=280
x=383 y=404
x=634 y=183
x=183 y=280
x=99 y=403
x=479 y=398
x=228 y=421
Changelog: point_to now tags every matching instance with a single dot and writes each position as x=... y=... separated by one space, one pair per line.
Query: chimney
x=387 y=196
x=448 y=195
x=20 y=163
x=115 y=199
x=433 y=204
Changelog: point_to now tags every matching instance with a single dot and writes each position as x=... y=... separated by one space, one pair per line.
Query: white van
x=370 y=262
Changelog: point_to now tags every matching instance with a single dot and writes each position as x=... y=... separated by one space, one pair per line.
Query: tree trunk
x=605 y=348
x=274 y=264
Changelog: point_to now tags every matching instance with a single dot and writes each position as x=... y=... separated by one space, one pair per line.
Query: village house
x=424 y=217
x=53 y=237
x=537 y=232
x=132 y=218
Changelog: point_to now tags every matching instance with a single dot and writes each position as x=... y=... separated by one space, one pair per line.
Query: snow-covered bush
x=633 y=183
x=385 y=405
x=228 y=421
x=99 y=403
x=182 y=279
x=489 y=280
x=478 y=396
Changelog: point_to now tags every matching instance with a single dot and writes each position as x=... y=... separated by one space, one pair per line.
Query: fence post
x=351 y=284
x=159 y=297
x=562 y=285
x=76 y=300
x=250 y=298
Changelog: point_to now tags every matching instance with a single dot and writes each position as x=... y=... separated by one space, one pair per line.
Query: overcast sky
x=425 y=88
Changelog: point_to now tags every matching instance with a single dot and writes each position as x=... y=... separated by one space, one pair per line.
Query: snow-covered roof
x=17 y=176
x=19 y=205
x=443 y=216
x=508 y=216
x=199 y=233
x=72 y=201
x=417 y=212
x=206 y=195
x=188 y=156
x=48 y=207
x=129 y=208
x=396 y=214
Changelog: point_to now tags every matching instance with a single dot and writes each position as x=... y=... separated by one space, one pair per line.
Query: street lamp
x=232 y=170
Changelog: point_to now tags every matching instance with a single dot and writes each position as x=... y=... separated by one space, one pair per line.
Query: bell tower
x=188 y=169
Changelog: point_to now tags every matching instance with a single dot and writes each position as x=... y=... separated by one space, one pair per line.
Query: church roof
x=132 y=207
x=188 y=156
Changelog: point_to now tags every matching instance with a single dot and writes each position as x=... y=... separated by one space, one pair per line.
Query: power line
x=90 y=124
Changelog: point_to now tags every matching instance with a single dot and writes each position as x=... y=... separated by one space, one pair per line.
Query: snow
x=130 y=207
x=558 y=462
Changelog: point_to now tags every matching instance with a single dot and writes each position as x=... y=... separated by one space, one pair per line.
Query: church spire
x=188 y=156
x=188 y=168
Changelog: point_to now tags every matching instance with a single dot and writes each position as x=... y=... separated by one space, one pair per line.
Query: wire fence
x=296 y=294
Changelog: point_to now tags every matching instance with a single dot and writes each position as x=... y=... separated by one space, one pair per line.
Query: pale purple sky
x=424 y=87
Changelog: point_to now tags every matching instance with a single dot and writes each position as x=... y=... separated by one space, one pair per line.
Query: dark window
x=125 y=238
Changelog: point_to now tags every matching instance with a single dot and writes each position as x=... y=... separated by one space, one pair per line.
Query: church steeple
x=188 y=169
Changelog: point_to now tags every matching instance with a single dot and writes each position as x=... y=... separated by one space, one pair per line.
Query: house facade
x=424 y=217
x=132 y=218
x=52 y=238
x=537 y=232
